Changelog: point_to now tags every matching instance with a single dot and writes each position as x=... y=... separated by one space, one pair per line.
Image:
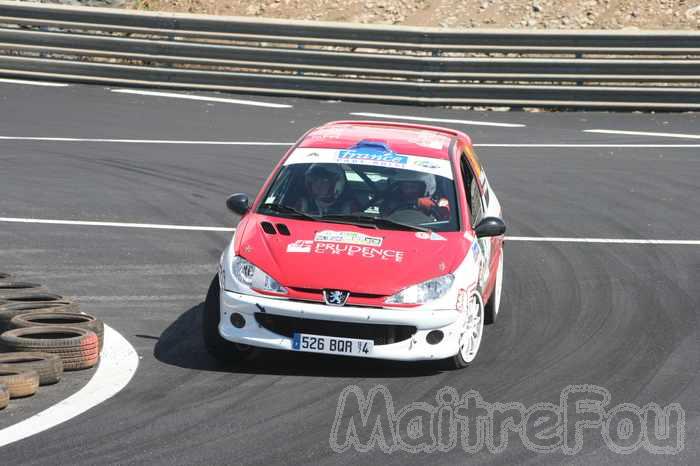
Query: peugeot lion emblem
x=335 y=297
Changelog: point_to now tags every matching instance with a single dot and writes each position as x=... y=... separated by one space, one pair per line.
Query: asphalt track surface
x=620 y=316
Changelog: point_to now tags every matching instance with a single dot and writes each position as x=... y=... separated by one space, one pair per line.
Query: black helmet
x=332 y=172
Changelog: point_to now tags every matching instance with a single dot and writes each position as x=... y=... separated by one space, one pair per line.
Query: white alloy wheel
x=473 y=330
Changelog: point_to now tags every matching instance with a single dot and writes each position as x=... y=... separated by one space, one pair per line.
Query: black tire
x=10 y=289
x=12 y=309
x=19 y=382
x=454 y=363
x=76 y=346
x=76 y=357
x=4 y=396
x=70 y=319
x=48 y=366
x=80 y=363
x=32 y=297
x=72 y=356
x=49 y=337
x=221 y=349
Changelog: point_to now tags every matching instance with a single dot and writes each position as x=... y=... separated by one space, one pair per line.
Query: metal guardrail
x=652 y=69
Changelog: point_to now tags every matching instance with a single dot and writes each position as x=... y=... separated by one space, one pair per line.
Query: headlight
x=249 y=278
x=423 y=292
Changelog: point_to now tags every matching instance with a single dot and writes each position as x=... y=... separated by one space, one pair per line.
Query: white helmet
x=330 y=171
x=428 y=179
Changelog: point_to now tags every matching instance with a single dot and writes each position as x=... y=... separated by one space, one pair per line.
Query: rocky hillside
x=543 y=14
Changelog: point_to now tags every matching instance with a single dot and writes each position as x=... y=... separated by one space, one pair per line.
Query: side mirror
x=490 y=226
x=238 y=203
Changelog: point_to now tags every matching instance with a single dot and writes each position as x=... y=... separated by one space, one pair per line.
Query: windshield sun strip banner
x=362 y=156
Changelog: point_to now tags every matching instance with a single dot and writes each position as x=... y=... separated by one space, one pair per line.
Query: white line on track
x=604 y=240
x=438 y=120
x=145 y=141
x=153 y=226
x=176 y=95
x=118 y=365
x=225 y=229
x=33 y=83
x=586 y=146
x=287 y=144
x=643 y=133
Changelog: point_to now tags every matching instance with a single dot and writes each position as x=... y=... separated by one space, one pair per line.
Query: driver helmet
x=410 y=183
x=325 y=182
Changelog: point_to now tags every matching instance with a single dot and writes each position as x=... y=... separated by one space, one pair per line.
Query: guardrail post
x=43 y=54
x=579 y=55
x=435 y=53
x=300 y=72
x=171 y=38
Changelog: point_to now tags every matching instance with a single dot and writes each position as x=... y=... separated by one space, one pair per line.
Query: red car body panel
x=409 y=259
x=401 y=138
x=306 y=274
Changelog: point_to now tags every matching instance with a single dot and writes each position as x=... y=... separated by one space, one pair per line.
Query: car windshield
x=375 y=188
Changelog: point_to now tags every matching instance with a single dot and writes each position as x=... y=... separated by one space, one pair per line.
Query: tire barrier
x=77 y=347
x=12 y=289
x=12 y=309
x=4 y=396
x=42 y=334
x=19 y=382
x=48 y=366
x=71 y=319
x=34 y=297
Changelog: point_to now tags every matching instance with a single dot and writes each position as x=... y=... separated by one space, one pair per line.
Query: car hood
x=320 y=255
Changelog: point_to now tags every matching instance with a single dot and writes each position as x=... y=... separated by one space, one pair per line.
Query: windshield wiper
x=284 y=209
x=360 y=220
x=377 y=221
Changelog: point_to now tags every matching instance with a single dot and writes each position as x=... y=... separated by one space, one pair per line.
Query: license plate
x=331 y=345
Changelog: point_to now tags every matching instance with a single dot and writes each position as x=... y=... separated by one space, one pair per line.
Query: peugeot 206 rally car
x=369 y=239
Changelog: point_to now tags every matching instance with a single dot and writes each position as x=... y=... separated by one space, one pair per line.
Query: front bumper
x=414 y=348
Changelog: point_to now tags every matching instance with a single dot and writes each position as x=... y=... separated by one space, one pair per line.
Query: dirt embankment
x=541 y=14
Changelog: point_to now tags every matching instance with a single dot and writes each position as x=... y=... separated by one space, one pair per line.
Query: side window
x=471 y=189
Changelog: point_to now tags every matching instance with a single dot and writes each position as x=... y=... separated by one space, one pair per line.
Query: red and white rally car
x=370 y=239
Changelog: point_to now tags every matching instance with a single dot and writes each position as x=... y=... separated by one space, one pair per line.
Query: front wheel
x=472 y=333
x=218 y=347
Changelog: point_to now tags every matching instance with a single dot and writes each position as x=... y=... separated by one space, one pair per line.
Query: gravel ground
x=541 y=14
x=533 y=14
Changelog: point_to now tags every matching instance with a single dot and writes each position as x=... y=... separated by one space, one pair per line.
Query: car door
x=472 y=177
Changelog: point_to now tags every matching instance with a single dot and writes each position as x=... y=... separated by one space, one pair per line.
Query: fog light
x=434 y=337
x=237 y=320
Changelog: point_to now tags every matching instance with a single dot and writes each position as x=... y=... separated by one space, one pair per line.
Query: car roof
x=402 y=138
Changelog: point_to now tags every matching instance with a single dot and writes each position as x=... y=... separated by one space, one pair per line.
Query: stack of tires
x=41 y=335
